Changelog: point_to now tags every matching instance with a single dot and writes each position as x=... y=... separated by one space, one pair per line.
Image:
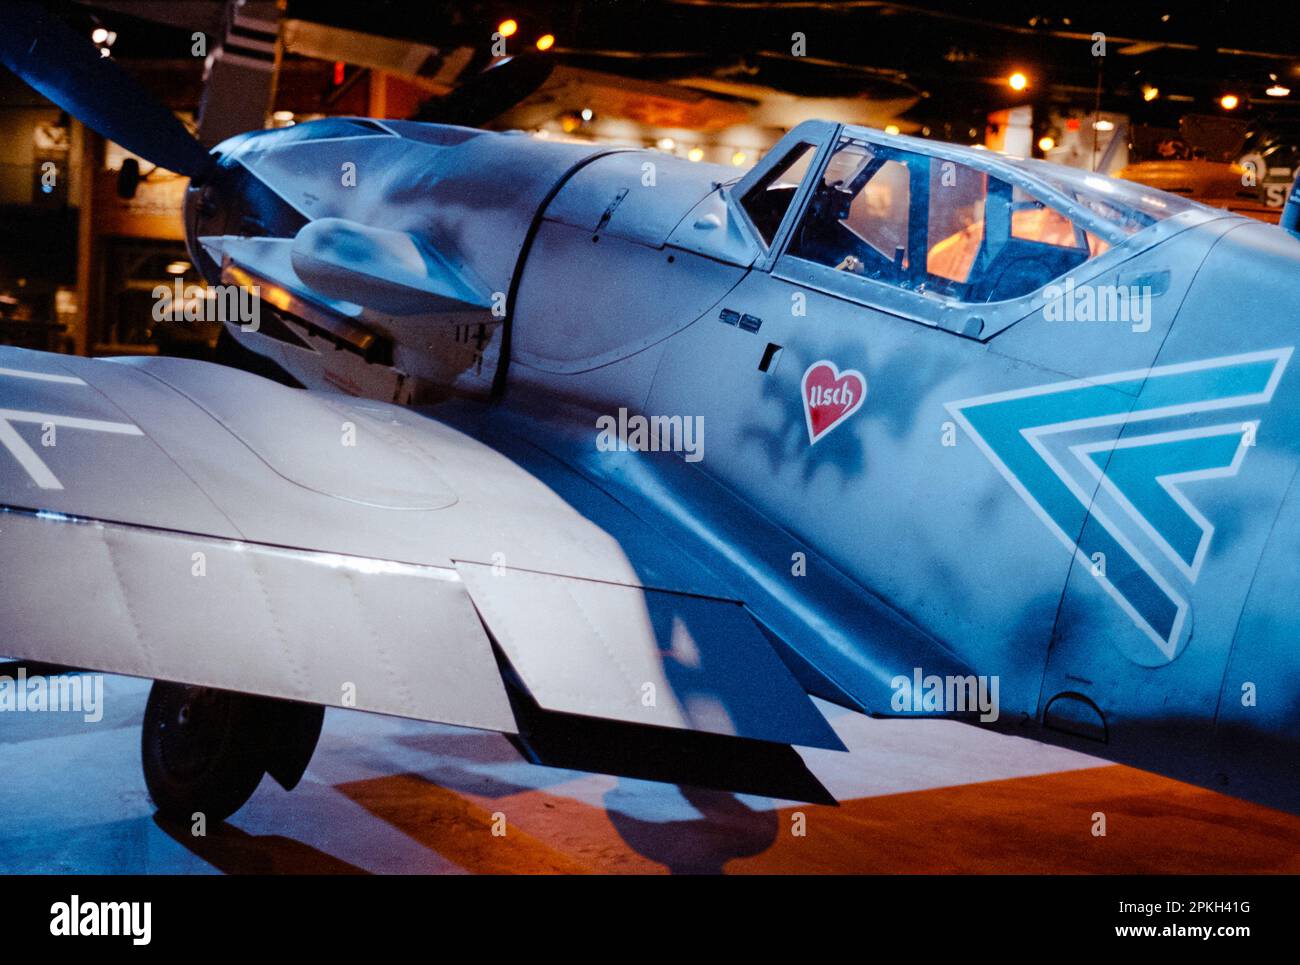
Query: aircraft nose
x=231 y=201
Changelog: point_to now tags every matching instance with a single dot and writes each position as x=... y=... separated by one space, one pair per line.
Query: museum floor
x=385 y=795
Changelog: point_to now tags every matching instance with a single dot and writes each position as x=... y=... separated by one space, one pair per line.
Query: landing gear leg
x=205 y=750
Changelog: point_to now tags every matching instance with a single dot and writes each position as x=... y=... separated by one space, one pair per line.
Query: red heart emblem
x=830 y=396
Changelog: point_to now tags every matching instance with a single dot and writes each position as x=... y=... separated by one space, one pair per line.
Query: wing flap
x=316 y=627
x=648 y=657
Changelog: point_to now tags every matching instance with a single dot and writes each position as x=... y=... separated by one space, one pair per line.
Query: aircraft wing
x=182 y=521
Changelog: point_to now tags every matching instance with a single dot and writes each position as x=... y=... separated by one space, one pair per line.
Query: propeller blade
x=489 y=93
x=68 y=69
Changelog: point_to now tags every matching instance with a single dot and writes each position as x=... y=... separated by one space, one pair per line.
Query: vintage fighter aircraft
x=942 y=418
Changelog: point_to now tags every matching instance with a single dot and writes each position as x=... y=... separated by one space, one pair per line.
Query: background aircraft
x=971 y=422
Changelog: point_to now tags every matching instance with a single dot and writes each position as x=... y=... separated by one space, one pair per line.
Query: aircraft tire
x=202 y=750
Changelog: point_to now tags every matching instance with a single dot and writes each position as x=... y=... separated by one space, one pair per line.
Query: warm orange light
x=695 y=154
x=1150 y=92
x=1018 y=81
x=891 y=129
x=546 y=41
x=508 y=28
x=1229 y=102
x=1046 y=143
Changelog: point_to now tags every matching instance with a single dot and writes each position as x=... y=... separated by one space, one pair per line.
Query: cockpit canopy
x=850 y=210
